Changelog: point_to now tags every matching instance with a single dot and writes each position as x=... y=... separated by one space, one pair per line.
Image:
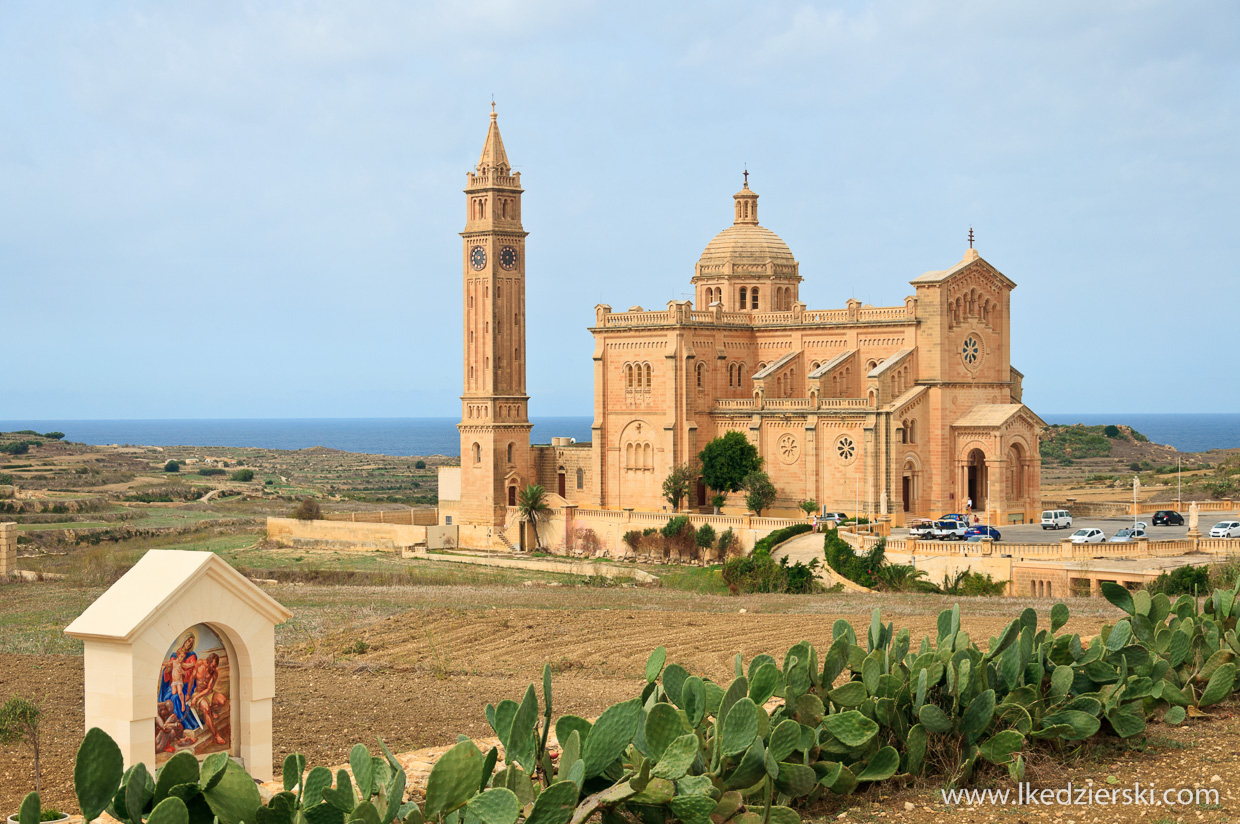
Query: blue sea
x=438 y=436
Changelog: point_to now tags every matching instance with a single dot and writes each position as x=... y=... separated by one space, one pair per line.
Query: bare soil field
x=433 y=657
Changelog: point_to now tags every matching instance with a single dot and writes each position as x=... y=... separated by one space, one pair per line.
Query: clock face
x=478 y=258
x=508 y=258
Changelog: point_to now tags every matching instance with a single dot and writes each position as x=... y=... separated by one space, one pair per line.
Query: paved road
x=1034 y=534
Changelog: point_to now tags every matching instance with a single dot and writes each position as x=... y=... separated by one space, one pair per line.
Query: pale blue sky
x=251 y=209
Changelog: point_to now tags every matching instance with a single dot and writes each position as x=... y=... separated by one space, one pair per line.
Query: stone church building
x=914 y=407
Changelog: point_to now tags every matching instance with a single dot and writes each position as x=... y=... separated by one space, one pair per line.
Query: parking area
x=1034 y=534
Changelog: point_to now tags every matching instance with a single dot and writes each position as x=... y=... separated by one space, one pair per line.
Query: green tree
x=54 y=436
x=808 y=507
x=19 y=723
x=1111 y=431
x=759 y=491
x=172 y=466
x=420 y=465
x=243 y=475
x=705 y=537
x=677 y=484
x=532 y=504
x=727 y=461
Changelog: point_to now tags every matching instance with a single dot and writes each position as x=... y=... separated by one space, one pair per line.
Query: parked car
x=1225 y=529
x=979 y=532
x=1167 y=517
x=838 y=517
x=1056 y=519
x=1088 y=536
x=950 y=530
x=955 y=516
x=1125 y=536
x=921 y=529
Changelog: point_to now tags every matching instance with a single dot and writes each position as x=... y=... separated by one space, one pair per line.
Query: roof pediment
x=997 y=416
x=972 y=262
x=154 y=584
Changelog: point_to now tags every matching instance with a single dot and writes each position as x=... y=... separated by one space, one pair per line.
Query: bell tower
x=495 y=426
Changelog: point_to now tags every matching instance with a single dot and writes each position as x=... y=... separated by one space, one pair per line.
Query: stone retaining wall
x=344 y=535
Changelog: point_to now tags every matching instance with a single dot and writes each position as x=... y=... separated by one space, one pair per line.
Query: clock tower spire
x=495 y=426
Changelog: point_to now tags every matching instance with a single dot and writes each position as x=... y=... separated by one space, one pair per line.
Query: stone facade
x=8 y=549
x=913 y=408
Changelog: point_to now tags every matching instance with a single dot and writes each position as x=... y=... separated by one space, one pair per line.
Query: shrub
x=54 y=436
x=15 y=447
x=1111 y=431
x=679 y=536
x=210 y=471
x=633 y=539
x=728 y=544
x=420 y=464
x=766 y=544
x=970 y=583
x=759 y=491
x=719 y=500
x=308 y=510
x=1185 y=580
x=19 y=723
x=678 y=482
x=586 y=540
x=859 y=569
x=172 y=466
x=243 y=475
x=902 y=578
x=761 y=573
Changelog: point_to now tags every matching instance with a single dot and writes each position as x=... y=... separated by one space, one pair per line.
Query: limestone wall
x=8 y=549
x=344 y=535
x=425 y=516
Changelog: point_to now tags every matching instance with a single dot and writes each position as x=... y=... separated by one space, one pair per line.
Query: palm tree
x=532 y=504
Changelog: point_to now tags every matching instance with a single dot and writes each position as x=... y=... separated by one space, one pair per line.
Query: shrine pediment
x=999 y=416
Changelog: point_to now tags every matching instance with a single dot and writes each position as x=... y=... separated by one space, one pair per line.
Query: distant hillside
x=1078 y=441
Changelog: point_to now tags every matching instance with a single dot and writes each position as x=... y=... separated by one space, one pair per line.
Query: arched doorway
x=512 y=495
x=977 y=480
x=561 y=483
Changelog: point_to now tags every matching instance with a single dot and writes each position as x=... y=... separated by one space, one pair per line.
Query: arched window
x=753 y=298
x=740 y=373
x=477 y=450
x=628 y=376
x=510 y=448
x=912 y=431
x=701 y=375
x=744 y=296
x=628 y=456
x=471 y=301
x=581 y=478
x=648 y=456
x=648 y=380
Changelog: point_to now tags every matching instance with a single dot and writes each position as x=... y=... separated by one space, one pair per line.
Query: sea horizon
x=433 y=435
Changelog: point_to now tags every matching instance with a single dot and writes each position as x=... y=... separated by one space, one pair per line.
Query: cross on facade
x=746 y=178
x=970 y=237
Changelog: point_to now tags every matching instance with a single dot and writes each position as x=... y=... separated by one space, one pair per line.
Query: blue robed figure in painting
x=177 y=681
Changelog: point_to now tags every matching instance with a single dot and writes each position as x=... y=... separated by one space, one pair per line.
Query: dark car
x=981 y=532
x=1168 y=517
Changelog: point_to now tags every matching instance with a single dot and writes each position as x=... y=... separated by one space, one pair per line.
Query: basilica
x=910 y=409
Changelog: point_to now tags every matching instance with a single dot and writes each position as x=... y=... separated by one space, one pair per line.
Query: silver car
x=1088 y=536
x=1225 y=529
x=1125 y=536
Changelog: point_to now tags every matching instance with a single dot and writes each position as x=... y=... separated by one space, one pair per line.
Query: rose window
x=789 y=449
x=971 y=351
x=846 y=448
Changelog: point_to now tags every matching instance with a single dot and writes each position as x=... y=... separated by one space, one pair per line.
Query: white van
x=1056 y=519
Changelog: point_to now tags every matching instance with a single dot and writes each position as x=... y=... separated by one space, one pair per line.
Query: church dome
x=746 y=248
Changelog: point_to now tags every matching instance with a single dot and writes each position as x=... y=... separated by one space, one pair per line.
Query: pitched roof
x=995 y=414
x=154 y=583
x=775 y=365
x=890 y=363
x=831 y=364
